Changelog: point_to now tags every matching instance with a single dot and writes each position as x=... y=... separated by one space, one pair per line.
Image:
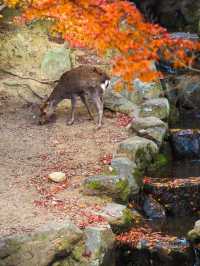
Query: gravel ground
x=28 y=153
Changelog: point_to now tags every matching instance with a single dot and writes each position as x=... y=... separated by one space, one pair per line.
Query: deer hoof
x=98 y=127
x=70 y=122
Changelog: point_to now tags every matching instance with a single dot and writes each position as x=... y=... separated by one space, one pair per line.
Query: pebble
x=57 y=176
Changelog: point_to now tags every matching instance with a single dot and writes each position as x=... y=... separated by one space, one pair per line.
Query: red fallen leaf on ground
x=82 y=225
x=123 y=120
x=95 y=219
x=41 y=203
x=106 y=159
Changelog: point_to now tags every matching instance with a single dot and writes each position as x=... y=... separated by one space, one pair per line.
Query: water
x=188 y=119
x=176 y=226
x=180 y=169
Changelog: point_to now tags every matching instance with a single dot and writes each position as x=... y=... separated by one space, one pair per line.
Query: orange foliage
x=118 y=25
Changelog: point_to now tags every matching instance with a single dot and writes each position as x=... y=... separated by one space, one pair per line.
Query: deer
x=84 y=82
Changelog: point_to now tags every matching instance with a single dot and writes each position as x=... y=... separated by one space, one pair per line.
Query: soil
x=29 y=152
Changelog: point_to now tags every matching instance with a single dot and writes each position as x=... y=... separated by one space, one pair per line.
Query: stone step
x=179 y=196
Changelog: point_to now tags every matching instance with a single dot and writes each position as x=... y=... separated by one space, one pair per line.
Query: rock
x=153 y=209
x=139 y=150
x=149 y=127
x=119 y=216
x=179 y=196
x=55 y=62
x=194 y=234
x=147 y=122
x=116 y=187
x=189 y=94
x=58 y=245
x=116 y=102
x=99 y=244
x=126 y=168
x=50 y=243
x=142 y=91
x=155 y=107
x=147 y=246
x=57 y=176
x=184 y=12
x=186 y=143
x=26 y=47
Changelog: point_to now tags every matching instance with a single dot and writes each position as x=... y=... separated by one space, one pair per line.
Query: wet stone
x=186 y=143
x=153 y=209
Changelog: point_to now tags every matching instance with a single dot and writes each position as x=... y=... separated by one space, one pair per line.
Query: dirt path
x=28 y=153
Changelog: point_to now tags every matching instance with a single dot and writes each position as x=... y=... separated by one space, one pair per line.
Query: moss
x=14 y=246
x=127 y=217
x=77 y=253
x=63 y=244
x=96 y=185
x=123 y=187
x=138 y=175
x=159 y=162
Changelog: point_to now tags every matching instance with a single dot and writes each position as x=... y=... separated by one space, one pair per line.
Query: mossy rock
x=139 y=150
x=116 y=187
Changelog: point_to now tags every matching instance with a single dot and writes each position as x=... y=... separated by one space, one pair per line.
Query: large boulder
x=186 y=143
x=149 y=127
x=143 y=91
x=55 y=62
x=126 y=168
x=139 y=150
x=42 y=248
x=99 y=245
x=116 y=102
x=28 y=52
x=117 y=187
x=189 y=93
x=185 y=13
x=158 y=107
x=60 y=244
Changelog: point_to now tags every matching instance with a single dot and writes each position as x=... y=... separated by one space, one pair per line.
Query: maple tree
x=116 y=28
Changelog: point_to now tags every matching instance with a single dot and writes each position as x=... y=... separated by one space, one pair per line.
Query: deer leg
x=99 y=107
x=73 y=103
x=83 y=99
